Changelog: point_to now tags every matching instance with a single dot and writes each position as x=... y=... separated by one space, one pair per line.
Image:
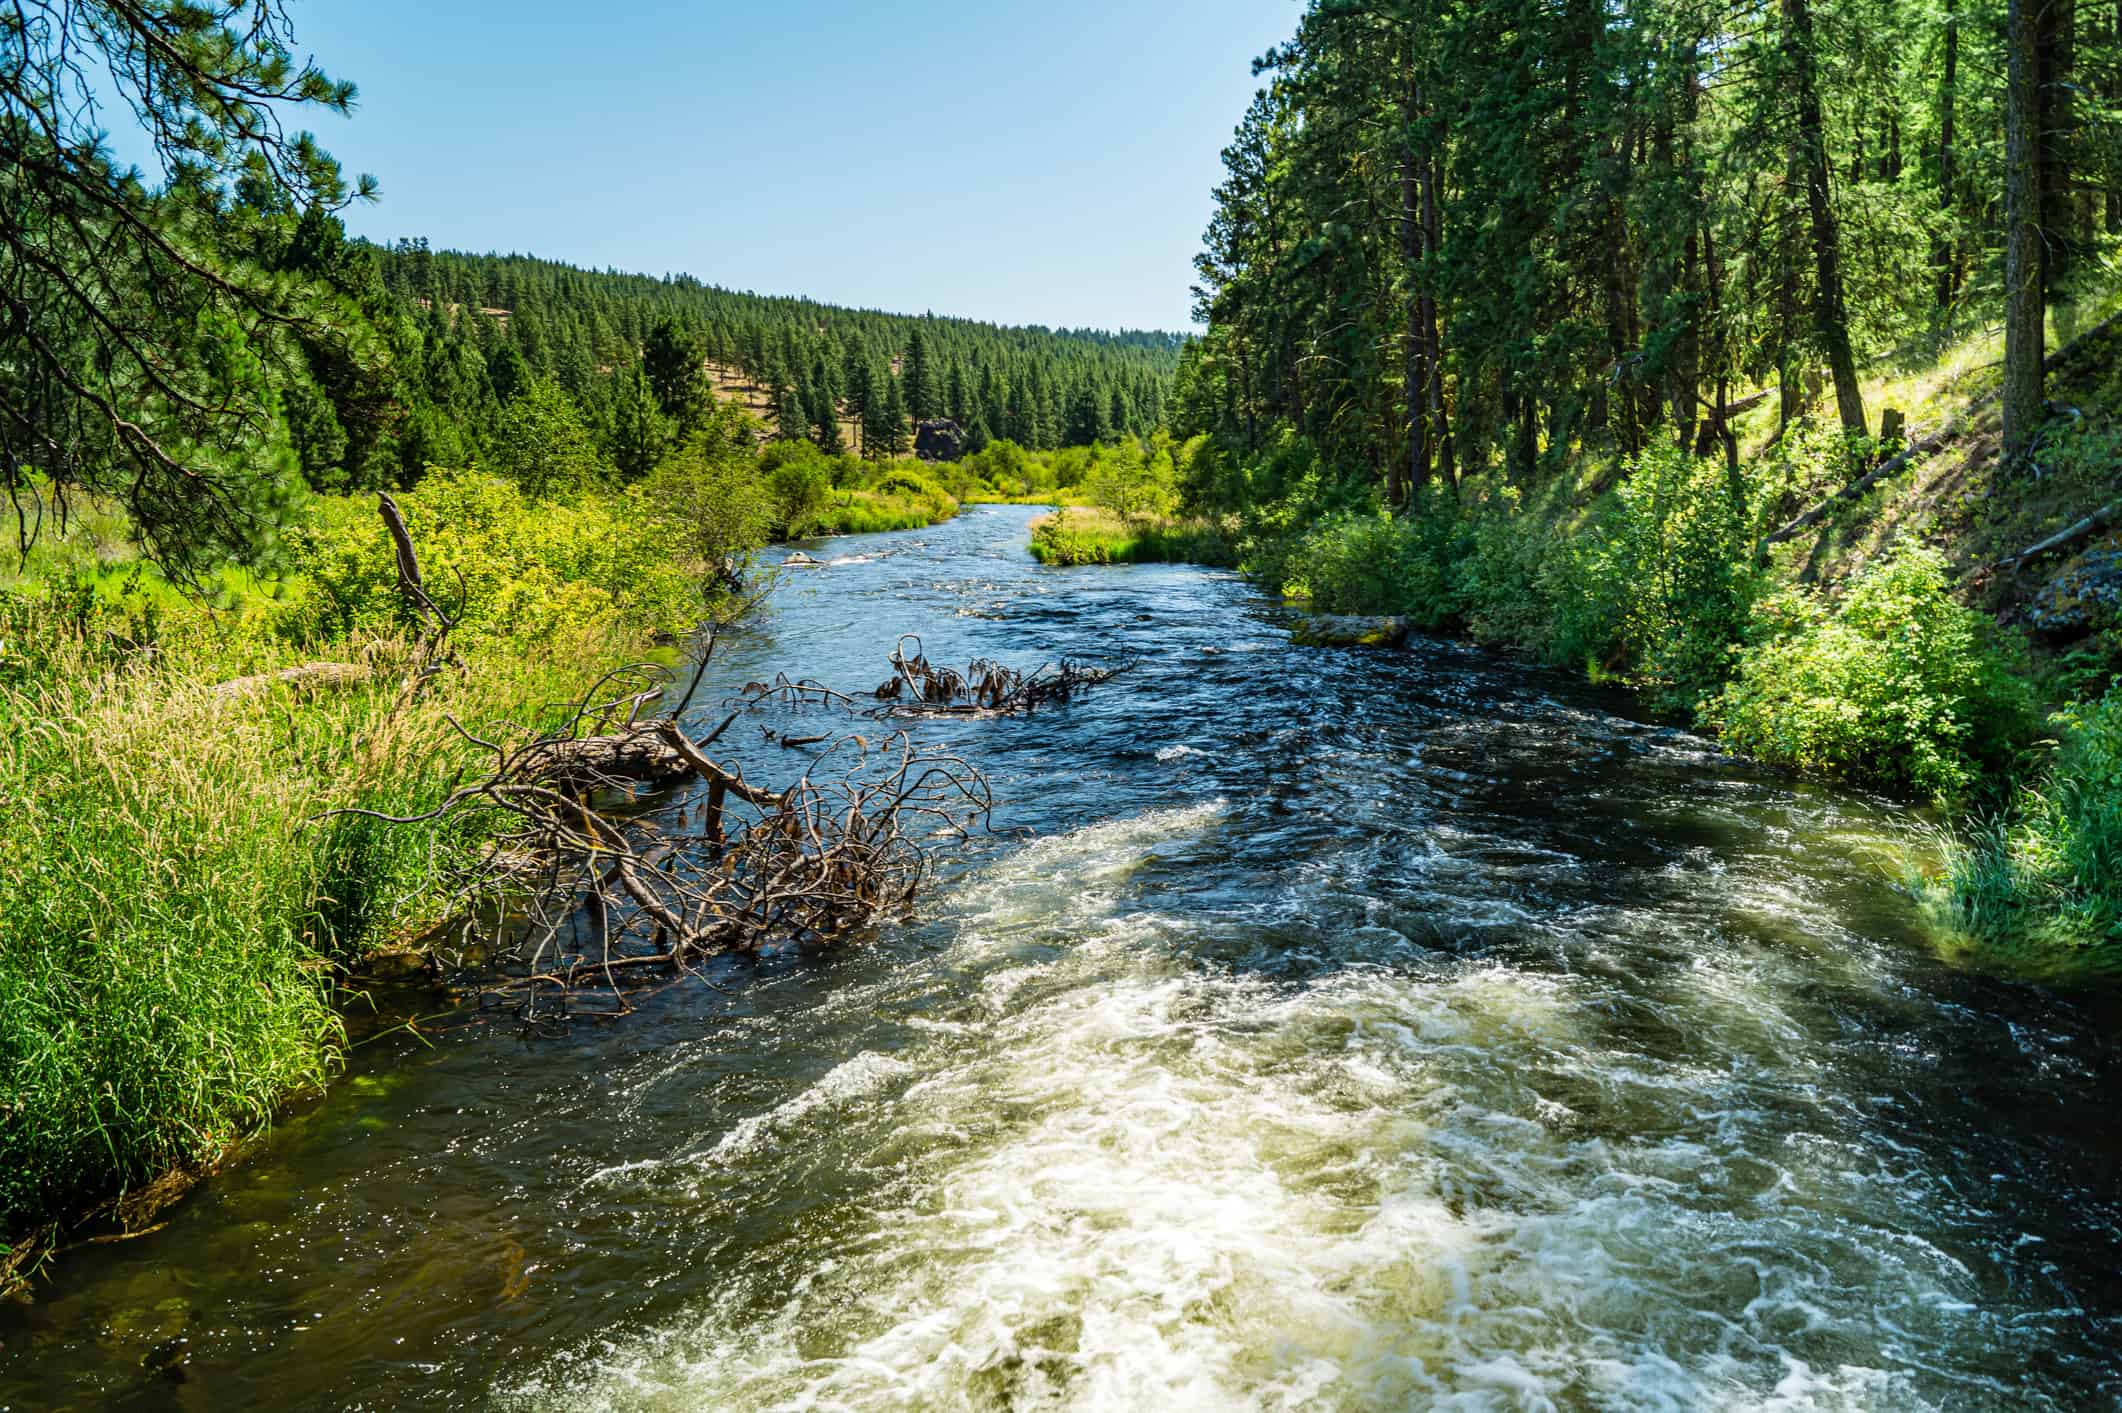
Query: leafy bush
x=800 y=485
x=708 y=496
x=512 y=567
x=1132 y=485
x=542 y=444
x=1511 y=582
x=1369 y=563
x=1662 y=587
x=1899 y=686
x=1097 y=536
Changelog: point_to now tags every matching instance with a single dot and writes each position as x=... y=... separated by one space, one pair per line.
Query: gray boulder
x=2084 y=596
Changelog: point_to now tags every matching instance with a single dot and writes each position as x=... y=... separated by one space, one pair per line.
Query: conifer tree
x=676 y=371
x=892 y=433
x=917 y=380
x=639 y=433
x=791 y=422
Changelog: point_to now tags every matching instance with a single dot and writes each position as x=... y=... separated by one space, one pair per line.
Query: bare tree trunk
x=1830 y=315
x=2024 y=306
x=1417 y=370
x=2055 y=48
x=1946 y=255
x=2114 y=99
x=1432 y=239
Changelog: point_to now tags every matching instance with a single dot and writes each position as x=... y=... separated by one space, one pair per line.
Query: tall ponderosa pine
x=1495 y=233
x=138 y=352
x=676 y=367
x=917 y=379
x=2025 y=257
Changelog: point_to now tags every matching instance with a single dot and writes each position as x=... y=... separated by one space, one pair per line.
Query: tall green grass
x=901 y=499
x=2042 y=881
x=171 y=899
x=1083 y=535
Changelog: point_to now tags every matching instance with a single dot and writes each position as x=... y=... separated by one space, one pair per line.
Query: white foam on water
x=1159 y=1186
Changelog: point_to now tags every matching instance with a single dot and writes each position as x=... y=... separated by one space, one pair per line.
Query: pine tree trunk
x=2055 y=56
x=2024 y=306
x=1946 y=255
x=1417 y=370
x=1830 y=317
x=1432 y=240
x=1687 y=349
x=2114 y=100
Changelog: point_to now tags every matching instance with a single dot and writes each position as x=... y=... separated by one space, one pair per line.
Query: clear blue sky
x=1026 y=163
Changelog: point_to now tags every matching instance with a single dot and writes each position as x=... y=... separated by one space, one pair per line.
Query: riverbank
x=183 y=903
x=1095 y=535
x=1894 y=638
x=185 y=907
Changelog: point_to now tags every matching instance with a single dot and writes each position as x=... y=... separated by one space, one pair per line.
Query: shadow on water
x=1355 y=1031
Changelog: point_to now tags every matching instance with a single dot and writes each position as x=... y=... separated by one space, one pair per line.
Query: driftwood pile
x=918 y=687
x=582 y=890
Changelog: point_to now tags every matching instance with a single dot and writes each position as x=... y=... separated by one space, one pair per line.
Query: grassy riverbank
x=1095 y=535
x=1877 y=645
x=178 y=902
x=183 y=906
x=181 y=902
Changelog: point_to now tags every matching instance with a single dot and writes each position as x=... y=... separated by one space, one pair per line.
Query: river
x=1355 y=1030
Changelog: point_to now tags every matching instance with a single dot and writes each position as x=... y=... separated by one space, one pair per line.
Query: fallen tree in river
x=581 y=891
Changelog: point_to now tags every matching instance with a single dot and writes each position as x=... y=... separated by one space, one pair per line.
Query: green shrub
x=171 y=895
x=1369 y=563
x=1899 y=686
x=542 y=444
x=1510 y=582
x=516 y=568
x=1085 y=535
x=1661 y=588
x=800 y=488
x=903 y=498
x=1132 y=485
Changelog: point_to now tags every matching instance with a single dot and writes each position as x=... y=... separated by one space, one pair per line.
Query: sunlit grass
x=1090 y=535
x=171 y=898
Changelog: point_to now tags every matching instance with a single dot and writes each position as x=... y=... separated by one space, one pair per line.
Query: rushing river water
x=1360 y=1030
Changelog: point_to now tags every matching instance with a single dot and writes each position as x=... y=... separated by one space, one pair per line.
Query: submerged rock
x=2084 y=596
x=1336 y=630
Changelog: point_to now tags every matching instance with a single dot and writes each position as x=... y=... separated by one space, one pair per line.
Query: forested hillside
x=465 y=333
x=1451 y=234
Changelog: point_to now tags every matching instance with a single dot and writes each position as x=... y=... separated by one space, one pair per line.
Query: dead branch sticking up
x=918 y=687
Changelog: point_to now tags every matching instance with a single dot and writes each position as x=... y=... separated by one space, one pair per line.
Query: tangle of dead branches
x=580 y=890
x=918 y=687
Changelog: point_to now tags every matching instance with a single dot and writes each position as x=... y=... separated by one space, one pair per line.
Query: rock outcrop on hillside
x=939 y=440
